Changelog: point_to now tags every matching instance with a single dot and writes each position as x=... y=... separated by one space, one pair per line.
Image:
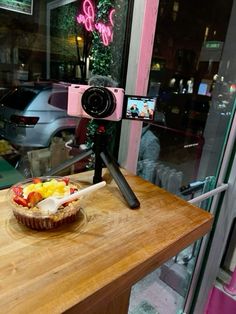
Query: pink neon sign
x=87 y=18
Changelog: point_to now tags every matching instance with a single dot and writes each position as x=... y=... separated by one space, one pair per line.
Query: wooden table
x=91 y=270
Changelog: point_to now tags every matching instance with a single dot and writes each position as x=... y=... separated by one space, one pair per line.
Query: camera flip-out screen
x=140 y=107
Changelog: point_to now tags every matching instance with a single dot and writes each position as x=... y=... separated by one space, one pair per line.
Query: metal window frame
x=212 y=247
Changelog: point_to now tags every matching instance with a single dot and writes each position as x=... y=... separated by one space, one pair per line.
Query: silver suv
x=30 y=116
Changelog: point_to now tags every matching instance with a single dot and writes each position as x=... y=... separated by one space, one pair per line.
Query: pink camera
x=95 y=102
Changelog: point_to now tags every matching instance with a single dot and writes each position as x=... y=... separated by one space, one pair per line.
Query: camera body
x=95 y=102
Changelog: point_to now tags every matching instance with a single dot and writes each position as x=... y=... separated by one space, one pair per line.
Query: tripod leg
x=97 y=169
x=68 y=163
x=98 y=146
x=120 y=180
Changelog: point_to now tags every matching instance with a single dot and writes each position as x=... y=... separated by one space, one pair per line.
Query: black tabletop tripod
x=102 y=156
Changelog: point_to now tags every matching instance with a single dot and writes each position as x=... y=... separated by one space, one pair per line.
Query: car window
x=59 y=99
x=18 y=98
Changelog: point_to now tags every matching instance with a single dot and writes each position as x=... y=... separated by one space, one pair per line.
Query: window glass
x=43 y=51
x=194 y=97
x=75 y=52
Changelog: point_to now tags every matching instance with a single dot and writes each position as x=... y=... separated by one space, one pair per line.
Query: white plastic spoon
x=51 y=204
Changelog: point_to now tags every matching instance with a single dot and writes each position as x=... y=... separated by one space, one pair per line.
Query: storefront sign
x=213 y=44
x=23 y=6
x=87 y=18
x=211 y=50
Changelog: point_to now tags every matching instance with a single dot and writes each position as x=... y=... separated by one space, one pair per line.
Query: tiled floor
x=153 y=296
x=163 y=291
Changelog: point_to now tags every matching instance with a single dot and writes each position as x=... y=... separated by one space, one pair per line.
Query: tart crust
x=33 y=219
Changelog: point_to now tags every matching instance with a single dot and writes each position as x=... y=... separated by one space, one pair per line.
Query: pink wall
x=141 y=84
x=145 y=55
x=220 y=303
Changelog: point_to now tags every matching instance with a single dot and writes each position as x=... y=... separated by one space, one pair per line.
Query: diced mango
x=49 y=188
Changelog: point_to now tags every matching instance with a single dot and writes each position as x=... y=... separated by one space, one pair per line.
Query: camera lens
x=98 y=102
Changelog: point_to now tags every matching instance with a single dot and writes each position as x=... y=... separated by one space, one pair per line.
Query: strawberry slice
x=18 y=190
x=66 y=180
x=33 y=198
x=20 y=200
x=73 y=190
x=36 y=180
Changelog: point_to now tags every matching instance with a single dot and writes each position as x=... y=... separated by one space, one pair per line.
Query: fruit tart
x=24 y=197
